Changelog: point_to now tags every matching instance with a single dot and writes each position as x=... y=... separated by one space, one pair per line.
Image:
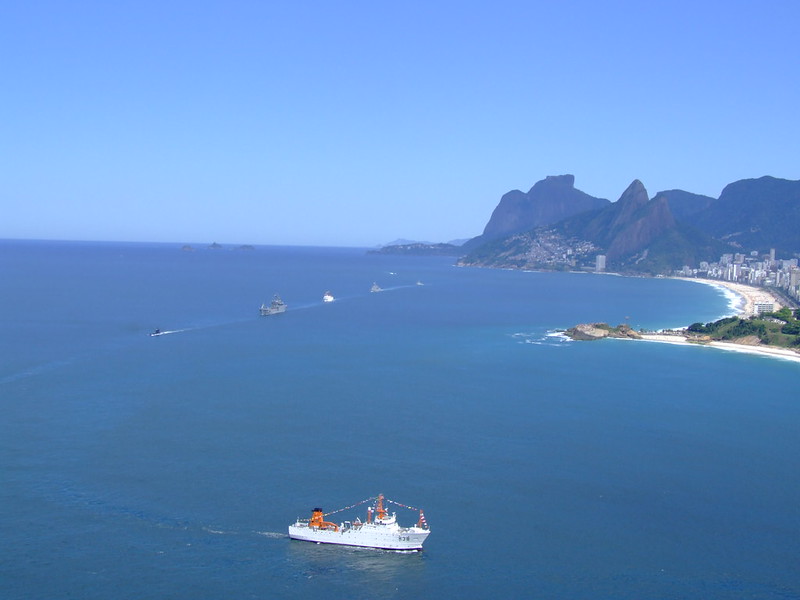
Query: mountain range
x=637 y=233
x=548 y=201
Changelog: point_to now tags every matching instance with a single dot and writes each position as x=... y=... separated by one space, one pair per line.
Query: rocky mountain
x=755 y=214
x=635 y=233
x=625 y=226
x=555 y=226
x=683 y=204
x=549 y=201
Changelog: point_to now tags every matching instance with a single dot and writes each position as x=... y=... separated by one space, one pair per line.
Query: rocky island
x=587 y=332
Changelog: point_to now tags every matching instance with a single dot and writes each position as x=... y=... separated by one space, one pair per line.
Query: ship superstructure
x=380 y=530
x=275 y=307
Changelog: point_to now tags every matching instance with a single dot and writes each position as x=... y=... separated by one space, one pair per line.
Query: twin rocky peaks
x=636 y=233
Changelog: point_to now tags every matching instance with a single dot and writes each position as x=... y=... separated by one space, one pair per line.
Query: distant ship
x=327 y=297
x=375 y=288
x=382 y=531
x=159 y=332
x=276 y=306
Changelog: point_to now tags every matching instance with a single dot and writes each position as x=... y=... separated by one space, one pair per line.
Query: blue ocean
x=138 y=467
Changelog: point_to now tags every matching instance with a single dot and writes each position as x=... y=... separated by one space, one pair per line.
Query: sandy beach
x=748 y=297
x=769 y=351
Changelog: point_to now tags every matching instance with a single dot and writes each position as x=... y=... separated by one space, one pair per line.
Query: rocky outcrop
x=548 y=201
x=748 y=340
x=626 y=209
x=588 y=332
x=630 y=224
x=646 y=225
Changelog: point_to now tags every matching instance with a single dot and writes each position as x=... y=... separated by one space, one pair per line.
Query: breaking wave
x=549 y=338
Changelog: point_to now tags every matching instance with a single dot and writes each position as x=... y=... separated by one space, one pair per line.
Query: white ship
x=375 y=288
x=327 y=297
x=379 y=531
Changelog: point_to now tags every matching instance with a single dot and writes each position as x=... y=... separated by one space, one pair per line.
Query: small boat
x=380 y=530
x=275 y=307
x=156 y=332
x=375 y=288
x=420 y=283
x=327 y=297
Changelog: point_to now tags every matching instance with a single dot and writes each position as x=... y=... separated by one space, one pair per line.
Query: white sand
x=749 y=294
x=770 y=351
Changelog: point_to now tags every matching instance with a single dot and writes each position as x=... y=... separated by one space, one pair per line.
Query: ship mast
x=422 y=523
x=382 y=512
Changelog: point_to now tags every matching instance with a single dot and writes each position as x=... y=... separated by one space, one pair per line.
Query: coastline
x=743 y=303
x=682 y=340
x=747 y=295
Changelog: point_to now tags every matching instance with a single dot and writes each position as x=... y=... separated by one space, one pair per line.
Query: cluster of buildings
x=753 y=269
x=549 y=249
x=552 y=250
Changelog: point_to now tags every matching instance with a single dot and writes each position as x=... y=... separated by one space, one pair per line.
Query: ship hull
x=383 y=538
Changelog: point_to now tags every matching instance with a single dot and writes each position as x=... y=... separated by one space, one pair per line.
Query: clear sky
x=355 y=123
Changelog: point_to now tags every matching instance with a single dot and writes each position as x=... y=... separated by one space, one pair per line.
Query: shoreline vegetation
x=709 y=334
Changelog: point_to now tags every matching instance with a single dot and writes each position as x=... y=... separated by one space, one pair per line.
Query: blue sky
x=354 y=123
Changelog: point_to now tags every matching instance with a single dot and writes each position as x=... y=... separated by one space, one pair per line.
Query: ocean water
x=170 y=467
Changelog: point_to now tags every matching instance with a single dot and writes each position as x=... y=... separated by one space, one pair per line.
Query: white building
x=600 y=263
x=763 y=307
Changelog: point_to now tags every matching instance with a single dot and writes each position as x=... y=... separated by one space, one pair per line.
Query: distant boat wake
x=269 y=534
x=159 y=333
x=273 y=534
x=397 y=287
x=66 y=492
x=291 y=307
x=340 y=299
x=36 y=370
